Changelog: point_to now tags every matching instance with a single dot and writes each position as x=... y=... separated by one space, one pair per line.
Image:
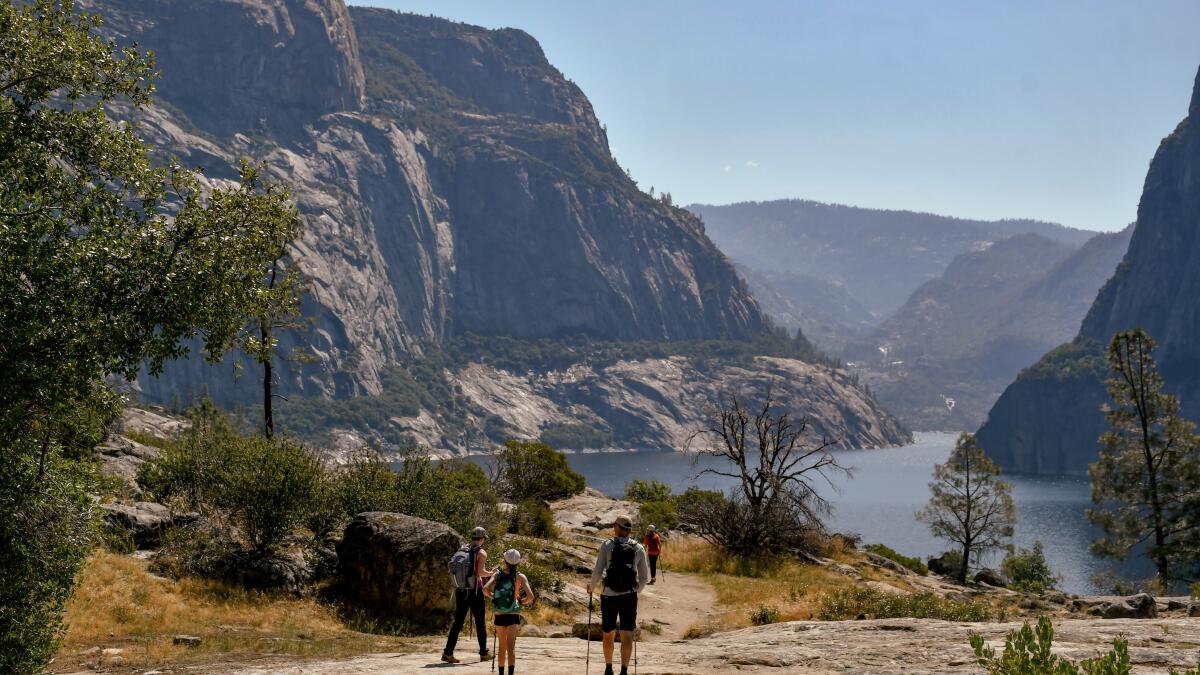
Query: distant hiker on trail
x=653 y=543
x=509 y=590
x=468 y=569
x=621 y=563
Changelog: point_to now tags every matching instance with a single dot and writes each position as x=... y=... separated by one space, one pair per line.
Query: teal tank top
x=504 y=595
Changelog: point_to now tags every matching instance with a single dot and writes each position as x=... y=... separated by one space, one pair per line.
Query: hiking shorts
x=621 y=607
x=509 y=619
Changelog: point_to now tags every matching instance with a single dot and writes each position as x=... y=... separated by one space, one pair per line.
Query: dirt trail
x=675 y=603
x=877 y=646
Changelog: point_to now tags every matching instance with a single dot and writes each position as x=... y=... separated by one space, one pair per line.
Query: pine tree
x=1146 y=482
x=970 y=506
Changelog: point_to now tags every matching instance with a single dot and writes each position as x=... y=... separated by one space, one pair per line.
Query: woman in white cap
x=509 y=591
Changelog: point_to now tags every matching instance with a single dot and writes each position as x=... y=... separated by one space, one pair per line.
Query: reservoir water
x=887 y=488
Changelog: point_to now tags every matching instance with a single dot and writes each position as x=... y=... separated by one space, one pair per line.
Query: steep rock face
x=1156 y=287
x=824 y=311
x=638 y=404
x=448 y=177
x=941 y=361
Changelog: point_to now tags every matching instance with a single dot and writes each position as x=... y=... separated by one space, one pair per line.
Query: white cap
x=652 y=528
x=512 y=556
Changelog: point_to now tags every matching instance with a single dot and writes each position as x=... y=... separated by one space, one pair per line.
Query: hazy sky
x=992 y=109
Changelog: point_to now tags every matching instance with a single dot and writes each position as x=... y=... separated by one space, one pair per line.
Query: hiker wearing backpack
x=468 y=569
x=653 y=543
x=621 y=564
x=509 y=591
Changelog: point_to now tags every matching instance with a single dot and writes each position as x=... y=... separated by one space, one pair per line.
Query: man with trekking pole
x=621 y=564
x=468 y=569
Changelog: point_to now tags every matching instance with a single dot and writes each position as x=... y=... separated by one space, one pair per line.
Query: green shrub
x=1028 y=571
x=647 y=491
x=764 y=615
x=662 y=515
x=1195 y=589
x=884 y=551
x=1027 y=651
x=533 y=519
x=952 y=559
x=537 y=471
x=47 y=530
x=693 y=501
x=849 y=603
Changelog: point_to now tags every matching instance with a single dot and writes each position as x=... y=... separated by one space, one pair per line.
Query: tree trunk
x=268 y=411
x=966 y=556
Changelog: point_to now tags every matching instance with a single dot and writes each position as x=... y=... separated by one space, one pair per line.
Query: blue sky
x=1046 y=110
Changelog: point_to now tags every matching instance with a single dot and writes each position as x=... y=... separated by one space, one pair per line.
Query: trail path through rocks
x=870 y=647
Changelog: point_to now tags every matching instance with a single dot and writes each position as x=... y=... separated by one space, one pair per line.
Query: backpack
x=462 y=567
x=504 y=594
x=653 y=544
x=621 y=575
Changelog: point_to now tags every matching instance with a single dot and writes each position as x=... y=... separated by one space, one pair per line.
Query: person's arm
x=489 y=587
x=598 y=570
x=529 y=598
x=481 y=569
x=643 y=568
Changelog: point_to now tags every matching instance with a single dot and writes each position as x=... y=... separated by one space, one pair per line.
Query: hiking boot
x=485 y=656
x=608 y=669
x=652 y=580
x=449 y=658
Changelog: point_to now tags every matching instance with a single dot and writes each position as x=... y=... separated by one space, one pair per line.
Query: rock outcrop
x=143 y=522
x=1050 y=417
x=395 y=565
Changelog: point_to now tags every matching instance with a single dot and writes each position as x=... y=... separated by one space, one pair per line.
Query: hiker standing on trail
x=509 y=591
x=468 y=569
x=653 y=543
x=621 y=563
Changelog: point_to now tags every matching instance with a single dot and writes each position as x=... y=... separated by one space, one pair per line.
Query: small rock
x=1140 y=606
x=559 y=634
x=530 y=630
x=1056 y=597
x=187 y=640
x=1194 y=609
x=848 y=570
x=90 y=651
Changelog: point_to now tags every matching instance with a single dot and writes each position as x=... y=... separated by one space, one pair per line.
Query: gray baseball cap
x=479 y=533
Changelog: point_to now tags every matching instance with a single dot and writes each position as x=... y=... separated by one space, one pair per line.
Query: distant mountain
x=823 y=311
x=963 y=336
x=880 y=257
x=1049 y=419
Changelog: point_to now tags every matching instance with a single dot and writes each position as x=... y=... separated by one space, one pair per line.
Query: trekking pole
x=587 y=664
x=494 y=634
x=635 y=641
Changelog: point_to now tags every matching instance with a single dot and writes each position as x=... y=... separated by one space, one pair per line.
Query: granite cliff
x=1049 y=419
x=450 y=181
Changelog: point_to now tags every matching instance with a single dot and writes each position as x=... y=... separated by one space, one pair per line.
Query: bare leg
x=512 y=645
x=626 y=646
x=608 y=645
x=501 y=644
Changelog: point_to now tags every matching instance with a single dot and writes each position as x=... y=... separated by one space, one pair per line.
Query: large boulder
x=1140 y=606
x=287 y=571
x=945 y=564
x=144 y=521
x=395 y=565
x=991 y=577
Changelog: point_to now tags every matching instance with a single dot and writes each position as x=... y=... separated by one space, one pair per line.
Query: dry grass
x=793 y=588
x=120 y=605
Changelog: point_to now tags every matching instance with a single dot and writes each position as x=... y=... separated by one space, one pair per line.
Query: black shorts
x=511 y=619
x=622 y=606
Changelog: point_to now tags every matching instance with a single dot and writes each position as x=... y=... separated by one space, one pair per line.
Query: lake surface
x=887 y=488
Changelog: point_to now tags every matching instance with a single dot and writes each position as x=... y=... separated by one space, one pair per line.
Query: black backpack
x=621 y=575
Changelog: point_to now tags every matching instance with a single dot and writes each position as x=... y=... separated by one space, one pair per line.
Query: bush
x=533 y=519
x=47 y=529
x=735 y=527
x=661 y=514
x=694 y=502
x=537 y=471
x=913 y=564
x=951 y=560
x=265 y=487
x=641 y=491
x=1027 y=651
x=1028 y=571
x=764 y=615
x=849 y=603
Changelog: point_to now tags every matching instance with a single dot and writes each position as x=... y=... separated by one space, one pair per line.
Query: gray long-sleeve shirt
x=639 y=560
